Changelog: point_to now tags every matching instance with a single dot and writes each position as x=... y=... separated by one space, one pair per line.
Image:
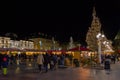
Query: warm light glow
x=103 y=36
x=99 y=35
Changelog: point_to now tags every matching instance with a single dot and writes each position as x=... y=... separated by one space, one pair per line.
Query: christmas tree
x=71 y=44
x=93 y=31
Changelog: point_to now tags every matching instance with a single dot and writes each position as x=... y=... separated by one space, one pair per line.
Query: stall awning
x=3 y=49
x=9 y=49
x=50 y=51
x=79 y=49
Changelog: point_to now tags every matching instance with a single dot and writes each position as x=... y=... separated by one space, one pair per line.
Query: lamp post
x=79 y=51
x=99 y=37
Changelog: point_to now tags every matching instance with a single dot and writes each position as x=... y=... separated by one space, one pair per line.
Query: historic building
x=45 y=44
x=7 y=43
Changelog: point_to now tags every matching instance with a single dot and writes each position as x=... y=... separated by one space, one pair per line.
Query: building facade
x=45 y=44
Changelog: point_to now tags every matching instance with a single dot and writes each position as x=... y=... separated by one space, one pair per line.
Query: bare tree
x=11 y=35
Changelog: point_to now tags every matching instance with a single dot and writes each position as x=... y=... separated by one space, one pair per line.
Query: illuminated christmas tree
x=93 y=31
x=71 y=44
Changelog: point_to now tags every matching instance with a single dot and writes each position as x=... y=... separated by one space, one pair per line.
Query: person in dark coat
x=113 y=59
x=55 y=59
x=46 y=61
x=107 y=62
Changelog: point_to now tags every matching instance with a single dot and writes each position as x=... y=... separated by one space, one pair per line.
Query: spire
x=95 y=22
x=94 y=12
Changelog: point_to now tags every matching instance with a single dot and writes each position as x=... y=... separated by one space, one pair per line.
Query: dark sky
x=64 y=19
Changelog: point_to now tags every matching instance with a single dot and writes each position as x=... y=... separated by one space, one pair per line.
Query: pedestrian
x=62 y=58
x=40 y=60
x=55 y=60
x=46 y=61
x=5 y=61
x=107 y=63
x=51 y=62
x=113 y=59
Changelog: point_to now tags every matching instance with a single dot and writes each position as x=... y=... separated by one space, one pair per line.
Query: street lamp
x=99 y=36
x=79 y=51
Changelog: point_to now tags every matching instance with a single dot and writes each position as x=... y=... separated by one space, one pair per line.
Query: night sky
x=64 y=19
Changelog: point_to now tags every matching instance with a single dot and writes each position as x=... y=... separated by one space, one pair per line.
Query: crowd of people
x=51 y=61
x=44 y=61
x=48 y=61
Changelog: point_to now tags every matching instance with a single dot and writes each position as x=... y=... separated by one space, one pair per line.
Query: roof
x=118 y=35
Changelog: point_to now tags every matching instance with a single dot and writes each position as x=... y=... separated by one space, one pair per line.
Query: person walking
x=107 y=63
x=40 y=60
x=46 y=61
x=5 y=61
x=55 y=61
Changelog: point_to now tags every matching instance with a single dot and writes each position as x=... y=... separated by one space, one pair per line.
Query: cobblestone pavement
x=65 y=74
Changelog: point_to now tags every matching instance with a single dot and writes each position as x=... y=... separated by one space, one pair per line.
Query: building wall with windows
x=45 y=44
x=6 y=42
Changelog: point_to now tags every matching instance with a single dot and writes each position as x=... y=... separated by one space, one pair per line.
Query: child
x=5 y=64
